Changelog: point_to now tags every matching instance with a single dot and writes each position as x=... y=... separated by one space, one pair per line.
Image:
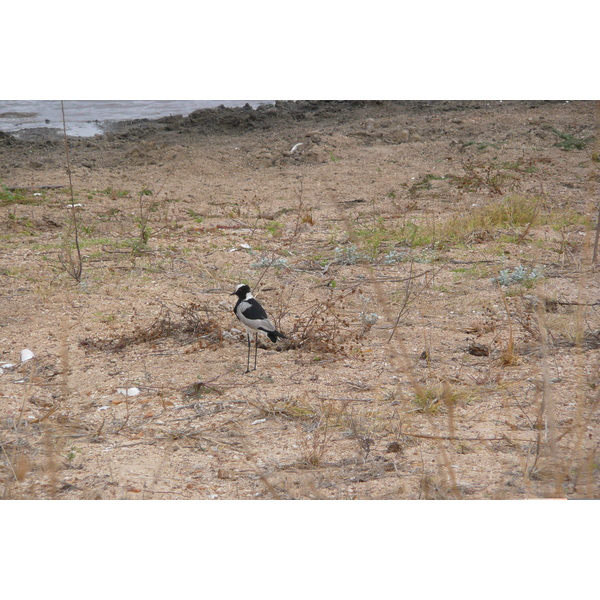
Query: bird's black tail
x=273 y=335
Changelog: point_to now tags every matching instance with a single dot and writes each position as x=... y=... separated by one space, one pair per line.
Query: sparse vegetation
x=568 y=141
x=191 y=323
x=442 y=332
x=518 y=275
x=424 y=183
x=11 y=196
x=431 y=398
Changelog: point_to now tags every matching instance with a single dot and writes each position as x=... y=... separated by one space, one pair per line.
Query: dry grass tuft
x=435 y=397
x=185 y=324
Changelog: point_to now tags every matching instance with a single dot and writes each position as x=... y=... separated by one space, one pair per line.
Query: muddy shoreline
x=280 y=126
x=240 y=119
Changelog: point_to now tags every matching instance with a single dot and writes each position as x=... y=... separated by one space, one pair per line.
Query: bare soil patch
x=430 y=263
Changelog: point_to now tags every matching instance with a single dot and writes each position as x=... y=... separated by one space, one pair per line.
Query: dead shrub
x=323 y=328
x=184 y=324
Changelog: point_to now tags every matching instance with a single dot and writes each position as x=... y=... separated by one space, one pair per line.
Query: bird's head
x=241 y=291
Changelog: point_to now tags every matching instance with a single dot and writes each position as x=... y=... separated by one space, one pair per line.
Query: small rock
x=394 y=447
x=129 y=391
x=477 y=349
x=26 y=355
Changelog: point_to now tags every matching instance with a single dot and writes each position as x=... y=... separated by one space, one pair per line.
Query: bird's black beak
x=232 y=294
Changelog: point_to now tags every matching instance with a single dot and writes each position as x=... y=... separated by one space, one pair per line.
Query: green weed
x=274 y=228
x=196 y=216
x=16 y=196
x=114 y=193
x=424 y=183
x=570 y=142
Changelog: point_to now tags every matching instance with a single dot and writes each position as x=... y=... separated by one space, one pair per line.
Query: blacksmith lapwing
x=254 y=317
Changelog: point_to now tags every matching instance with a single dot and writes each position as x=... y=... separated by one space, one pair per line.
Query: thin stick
x=597 y=237
x=549 y=405
x=75 y=271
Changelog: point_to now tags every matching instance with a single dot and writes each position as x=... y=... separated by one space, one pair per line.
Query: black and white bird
x=254 y=317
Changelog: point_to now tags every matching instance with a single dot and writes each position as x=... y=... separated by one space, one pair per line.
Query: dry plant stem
x=585 y=464
x=404 y=307
x=299 y=215
x=12 y=460
x=532 y=220
x=449 y=402
x=143 y=221
x=509 y=357
x=51 y=462
x=126 y=411
x=74 y=269
x=8 y=482
x=64 y=358
x=549 y=406
x=264 y=271
x=597 y=236
x=410 y=295
x=144 y=236
x=579 y=462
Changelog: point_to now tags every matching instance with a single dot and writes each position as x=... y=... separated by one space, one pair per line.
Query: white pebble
x=26 y=355
x=129 y=391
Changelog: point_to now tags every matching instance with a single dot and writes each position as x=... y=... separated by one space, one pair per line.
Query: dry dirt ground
x=430 y=263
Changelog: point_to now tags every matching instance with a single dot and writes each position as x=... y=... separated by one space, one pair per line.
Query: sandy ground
x=409 y=372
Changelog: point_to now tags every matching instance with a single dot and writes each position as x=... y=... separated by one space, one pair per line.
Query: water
x=85 y=118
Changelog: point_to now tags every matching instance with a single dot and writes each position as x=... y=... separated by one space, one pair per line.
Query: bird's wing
x=254 y=316
x=251 y=309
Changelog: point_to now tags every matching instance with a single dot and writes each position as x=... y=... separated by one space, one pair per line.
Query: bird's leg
x=248 y=361
x=255 y=349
